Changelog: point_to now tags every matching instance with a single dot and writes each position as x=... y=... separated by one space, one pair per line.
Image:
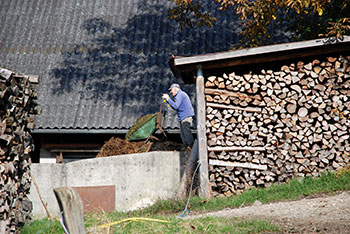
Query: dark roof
x=185 y=66
x=102 y=64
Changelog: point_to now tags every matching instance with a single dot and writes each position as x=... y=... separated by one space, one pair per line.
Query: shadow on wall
x=122 y=63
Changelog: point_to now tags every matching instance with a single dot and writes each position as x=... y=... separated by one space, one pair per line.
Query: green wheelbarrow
x=145 y=126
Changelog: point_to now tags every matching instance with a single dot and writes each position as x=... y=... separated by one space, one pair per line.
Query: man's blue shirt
x=182 y=104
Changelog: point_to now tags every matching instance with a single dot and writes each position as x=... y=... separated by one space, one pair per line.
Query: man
x=182 y=104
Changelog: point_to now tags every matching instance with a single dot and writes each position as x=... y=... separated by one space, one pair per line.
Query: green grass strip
x=43 y=226
x=295 y=189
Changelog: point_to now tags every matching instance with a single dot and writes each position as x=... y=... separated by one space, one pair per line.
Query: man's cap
x=174 y=86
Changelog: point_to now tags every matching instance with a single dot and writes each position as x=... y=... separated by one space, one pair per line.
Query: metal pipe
x=199 y=71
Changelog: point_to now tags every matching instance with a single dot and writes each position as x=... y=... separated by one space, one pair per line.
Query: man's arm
x=175 y=104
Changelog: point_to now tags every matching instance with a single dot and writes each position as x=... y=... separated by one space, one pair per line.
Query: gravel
x=322 y=214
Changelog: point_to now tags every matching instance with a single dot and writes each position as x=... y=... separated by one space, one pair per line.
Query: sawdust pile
x=118 y=146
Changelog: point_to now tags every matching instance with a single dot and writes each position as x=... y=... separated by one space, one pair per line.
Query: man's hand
x=165 y=96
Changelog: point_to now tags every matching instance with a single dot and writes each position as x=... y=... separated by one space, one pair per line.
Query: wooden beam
x=230 y=94
x=277 y=58
x=59 y=157
x=247 y=109
x=283 y=49
x=261 y=55
x=75 y=151
x=202 y=137
x=234 y=148
x=236 y=164
x=71 y=146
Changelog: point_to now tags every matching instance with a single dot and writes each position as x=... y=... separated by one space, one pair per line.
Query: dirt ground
x=321 y=214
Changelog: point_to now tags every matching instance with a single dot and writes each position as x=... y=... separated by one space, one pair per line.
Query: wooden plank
x=236 y=164
x=186 y=70
x=71 y=146
x=230 y=93
x=234 y=148
x=285 y=49
x=202 y=137
x=71 y=207
x=75 y=151
x=247 y=109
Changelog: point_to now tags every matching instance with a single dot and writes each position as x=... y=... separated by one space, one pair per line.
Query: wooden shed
x=271 y=113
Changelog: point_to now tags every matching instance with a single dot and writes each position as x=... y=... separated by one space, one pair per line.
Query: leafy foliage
x=306 y=18
x=190 y=14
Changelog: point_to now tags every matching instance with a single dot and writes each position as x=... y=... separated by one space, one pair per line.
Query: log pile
x=17 y=112
x=277 y=125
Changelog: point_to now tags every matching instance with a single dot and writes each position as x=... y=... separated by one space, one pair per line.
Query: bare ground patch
x=323 y=214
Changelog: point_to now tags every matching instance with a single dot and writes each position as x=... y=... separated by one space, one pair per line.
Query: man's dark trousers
x=185 y=132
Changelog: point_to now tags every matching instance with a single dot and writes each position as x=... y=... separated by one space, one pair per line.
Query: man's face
x=174 y=91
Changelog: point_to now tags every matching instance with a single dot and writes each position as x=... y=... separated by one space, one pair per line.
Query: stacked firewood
x=277 y=125
x=17 y=112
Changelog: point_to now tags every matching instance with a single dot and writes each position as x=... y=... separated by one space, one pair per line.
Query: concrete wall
x=140 y=179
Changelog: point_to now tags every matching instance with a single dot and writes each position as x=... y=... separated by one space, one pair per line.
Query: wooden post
x=72 y=210
x=59 y=157
x=201 y=135
x=186 y=179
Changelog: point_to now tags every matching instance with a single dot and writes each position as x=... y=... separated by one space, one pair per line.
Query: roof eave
x=96 y=131
x=187 y=66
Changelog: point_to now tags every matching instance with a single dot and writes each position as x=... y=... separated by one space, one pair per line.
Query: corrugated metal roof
x=102 y=64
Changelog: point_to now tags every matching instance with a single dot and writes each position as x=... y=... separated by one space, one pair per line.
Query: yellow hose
x=133 y=219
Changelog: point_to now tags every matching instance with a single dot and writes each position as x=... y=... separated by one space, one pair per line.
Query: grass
x=42 y=226
x=295 y=189
x=169 y=210
x=176 y=225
